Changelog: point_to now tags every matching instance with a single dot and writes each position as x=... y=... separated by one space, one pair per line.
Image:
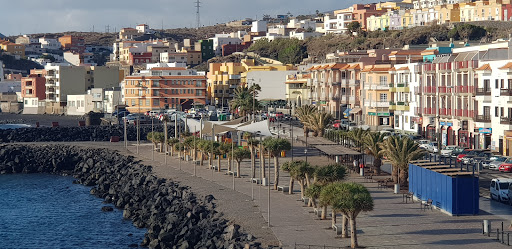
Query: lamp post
x=232 y=160
x=269 y=190
x=195 y=132
x=306 y=149
x=153 y=134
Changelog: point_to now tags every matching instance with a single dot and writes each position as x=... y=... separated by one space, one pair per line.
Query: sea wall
x=174 y=216
x=72 y=134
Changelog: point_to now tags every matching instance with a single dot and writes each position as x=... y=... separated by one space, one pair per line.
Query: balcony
x=483 y=92
x=353 y=100
x=506 y=121
x=234 y=76
x=483 y=118
x=464 y=89
x=429 y=111
x=353 y=82
x=445 y=90
x=429 y=89
x=375 y=86
x=443 y=112
x=505 y=92
x=375 y=104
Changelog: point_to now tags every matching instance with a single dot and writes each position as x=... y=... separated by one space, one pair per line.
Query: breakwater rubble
x=72 y=134
x=172 y=214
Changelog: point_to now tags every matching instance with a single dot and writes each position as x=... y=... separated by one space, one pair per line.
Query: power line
x=198 y=17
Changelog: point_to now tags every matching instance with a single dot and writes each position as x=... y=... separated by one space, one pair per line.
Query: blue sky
x=37 y=16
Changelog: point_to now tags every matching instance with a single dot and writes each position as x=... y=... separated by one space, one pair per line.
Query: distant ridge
x=2 y=36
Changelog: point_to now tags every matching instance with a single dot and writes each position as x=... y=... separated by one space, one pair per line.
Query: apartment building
x=78 y=59
x=72 y=43
x=129 y=34
x=376 y=80
x=406 y=99
x=12 y=48
x=164 y=87
x=49 y=43
x=361 y=12
x=223 y=79
x=221 y=39
x=297 y=91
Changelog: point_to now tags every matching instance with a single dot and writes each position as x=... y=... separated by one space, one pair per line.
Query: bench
x=426 y=204
x=305 y=200
x=284 y=189
x=318 y=212
x=230 y=172
x=337 y=228
x=255 y=180
x=408 y=196
x=197 y=162
x=368 y=177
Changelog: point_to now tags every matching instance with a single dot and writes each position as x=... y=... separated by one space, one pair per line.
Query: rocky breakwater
x=71 y=134
x=174 y=216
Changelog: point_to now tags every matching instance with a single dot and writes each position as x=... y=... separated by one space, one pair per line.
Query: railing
x=483 y=92
x=428 y=110
x=505 y=92
x=464 y=89
x=429 y=89
x=506 y=120
x=417 y=111
x=458 y=113
x=443 y=112
x=483 y=118
x=376 y=104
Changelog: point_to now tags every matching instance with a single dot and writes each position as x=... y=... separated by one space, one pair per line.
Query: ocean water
x=13 y=126
x=48 y=211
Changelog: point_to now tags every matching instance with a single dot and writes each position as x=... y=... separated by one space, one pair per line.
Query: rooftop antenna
x=198 y=17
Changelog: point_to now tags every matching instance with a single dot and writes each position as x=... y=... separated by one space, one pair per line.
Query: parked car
x=459 y=150
x=432 y=147
x=499 y=189
x=506 y=166
x=494 y=165
x=120 y=114
x=447 y=150
x=132 y=119
x=465 y=158
x=423 y=144
x=481 y=157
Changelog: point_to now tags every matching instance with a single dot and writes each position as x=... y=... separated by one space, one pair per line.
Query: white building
x=221 y=39
x=173 y=57
x=77 y=59
x=271 y=83
x=79 y=104
x=49 y=43
x=337 y=23
x=142 y=28
x=304 y=35
x=406 y=101
x=259 y=26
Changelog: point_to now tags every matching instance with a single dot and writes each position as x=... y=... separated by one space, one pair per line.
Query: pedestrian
x=356 y=163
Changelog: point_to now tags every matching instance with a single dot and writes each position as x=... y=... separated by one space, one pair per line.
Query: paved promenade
x=392 y=224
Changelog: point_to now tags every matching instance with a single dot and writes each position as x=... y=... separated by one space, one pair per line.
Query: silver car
x=495 y=165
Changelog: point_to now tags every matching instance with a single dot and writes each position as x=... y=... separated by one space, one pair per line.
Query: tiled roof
x=202 y=77
x=507 y=66
x=168 y=68
x=402 y=69
x=485 y=67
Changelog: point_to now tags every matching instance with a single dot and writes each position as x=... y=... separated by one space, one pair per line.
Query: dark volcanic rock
x=173 y=215
x=107 y=209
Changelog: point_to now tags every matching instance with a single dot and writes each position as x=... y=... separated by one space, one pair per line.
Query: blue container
x=456 y=195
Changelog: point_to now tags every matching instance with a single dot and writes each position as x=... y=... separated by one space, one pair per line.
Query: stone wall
x=174 y=216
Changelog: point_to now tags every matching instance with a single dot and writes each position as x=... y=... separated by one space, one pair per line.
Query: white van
x=499 y=189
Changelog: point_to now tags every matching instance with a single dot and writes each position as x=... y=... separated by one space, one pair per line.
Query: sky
x=51 y=16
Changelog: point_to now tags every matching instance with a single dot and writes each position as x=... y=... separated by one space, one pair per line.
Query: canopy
x=355 y=110
x=261 y=127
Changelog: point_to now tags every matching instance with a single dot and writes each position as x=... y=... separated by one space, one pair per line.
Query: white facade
x=271 y=83
x=406 y=100
x=259 y=26
x=49 y=43
x=31 y=106
x=221 y=39
x=79 y=104
x=173 y=58
x=142 y=28
x=337 y=23
x=304 y=35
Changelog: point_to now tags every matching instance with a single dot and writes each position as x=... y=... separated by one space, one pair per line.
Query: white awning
x=262 y=127
x=355 y=110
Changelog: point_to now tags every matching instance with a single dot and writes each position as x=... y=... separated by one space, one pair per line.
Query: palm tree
x=328 y=197
x=172 y=142
x=275 y=146
x=400 y=151
x=352 y=199
x=243 y=100
x=224 y=149
x=303 y=114
x=373 y=144
x=326 y=175
x=357 y=135
x=202 y=145
x=150 y=136
x=299 y=171
x=313 y=192
x=253 y=144
x=318 y=122
x=239 y=154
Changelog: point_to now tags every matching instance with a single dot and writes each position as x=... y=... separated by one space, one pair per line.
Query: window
x=496 y=82
x=487 y=111
x=133 y=102
x=383 y=80
x=148 y=102
x=165 y=91
x=502 y=111
x=156 y=93
x=156 y=102
x=383 y=97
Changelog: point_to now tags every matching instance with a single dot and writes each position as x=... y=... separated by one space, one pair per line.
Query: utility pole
x=198 y=16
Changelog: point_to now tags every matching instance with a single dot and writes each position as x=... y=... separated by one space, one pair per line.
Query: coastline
x=174 y=214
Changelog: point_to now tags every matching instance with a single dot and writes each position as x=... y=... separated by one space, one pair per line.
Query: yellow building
x=448 y=13
x=223 y=79
x=12 y=48
x=407 y=19
x=376 y=80
x=374 y=23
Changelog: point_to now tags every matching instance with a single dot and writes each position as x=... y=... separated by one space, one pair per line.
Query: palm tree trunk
x=195 y=154
x=290 y=189
x=229 y=163
x=161 y=147
x=333 y=218
x=218 y=163
x=324 y=212
x=276 y=171
x=404 y=174
x=395 y=174
x=210 y=160
x=238 y=168
x=253 y=162
x=353 y=232
x=377 y=163
x=301 y=183
x=202 y=159
x=344 y=226
x=172 y=151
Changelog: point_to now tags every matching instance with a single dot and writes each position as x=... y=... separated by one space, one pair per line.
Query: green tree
x=401 y=151
x=171 y=142
x=275 y=146
x=224 y=149
x=239 y=154
x=253 y=145
x=299 y=171
x=352 y=199
x=318 y=122
x=303 y=113
x=353 y=27
x=244 y=101
x=373 y=144
x=328 y=196
x=326 y=175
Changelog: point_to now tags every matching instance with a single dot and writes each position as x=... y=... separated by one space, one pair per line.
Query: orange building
x=72 y=43
x=164 y=88
x=12 y=48
x=33 y=86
